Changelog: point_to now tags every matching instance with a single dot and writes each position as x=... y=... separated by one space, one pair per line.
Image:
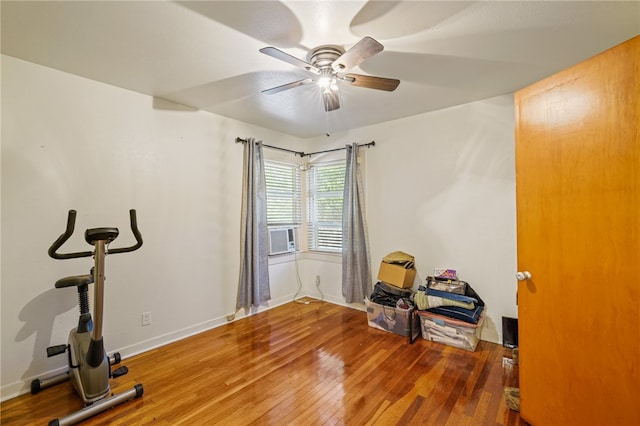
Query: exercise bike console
x=89 y=365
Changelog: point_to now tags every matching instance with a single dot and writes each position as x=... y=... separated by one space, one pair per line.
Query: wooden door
x=578 y=214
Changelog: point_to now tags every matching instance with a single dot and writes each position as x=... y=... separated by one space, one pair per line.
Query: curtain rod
x=300 y=153
x=303 y=154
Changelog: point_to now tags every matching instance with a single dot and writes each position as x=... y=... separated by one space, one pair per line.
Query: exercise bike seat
x=76 y=280
x=97 y=234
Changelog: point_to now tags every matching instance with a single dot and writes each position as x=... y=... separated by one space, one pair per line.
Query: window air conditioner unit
x=282 y=240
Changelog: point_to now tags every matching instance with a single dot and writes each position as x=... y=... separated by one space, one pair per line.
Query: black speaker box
x=509 y=332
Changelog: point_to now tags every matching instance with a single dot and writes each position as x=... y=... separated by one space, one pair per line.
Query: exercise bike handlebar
x=136 y=233
x=71 y=222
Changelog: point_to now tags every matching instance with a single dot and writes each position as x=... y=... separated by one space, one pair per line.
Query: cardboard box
x=396 y=275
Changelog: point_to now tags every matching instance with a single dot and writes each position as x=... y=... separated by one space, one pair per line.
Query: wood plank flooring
x=297 y=364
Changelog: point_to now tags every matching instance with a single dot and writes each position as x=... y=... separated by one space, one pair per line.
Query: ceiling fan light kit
x=327 y=80
x=330 y=64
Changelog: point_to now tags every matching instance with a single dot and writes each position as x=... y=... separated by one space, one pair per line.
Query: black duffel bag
x=388 y=295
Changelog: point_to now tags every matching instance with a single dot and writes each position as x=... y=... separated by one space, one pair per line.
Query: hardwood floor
x=298 y=364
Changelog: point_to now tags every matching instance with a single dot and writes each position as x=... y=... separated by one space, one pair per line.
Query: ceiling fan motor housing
x=323 y=56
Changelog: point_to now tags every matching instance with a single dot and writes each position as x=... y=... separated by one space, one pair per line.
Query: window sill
x=305 y=255
x=324 y=256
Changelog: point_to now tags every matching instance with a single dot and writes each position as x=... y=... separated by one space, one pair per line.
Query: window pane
x=284 y=206
x=324 y=206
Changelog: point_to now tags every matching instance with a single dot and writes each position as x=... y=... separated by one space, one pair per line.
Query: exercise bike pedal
x=115 y=358
x=120 y=371
x=56 y=350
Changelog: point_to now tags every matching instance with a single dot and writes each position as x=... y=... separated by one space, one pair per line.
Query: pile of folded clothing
x=450 y=311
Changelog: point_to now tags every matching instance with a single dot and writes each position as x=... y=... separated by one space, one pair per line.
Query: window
x=325 y=183
x=284 y=205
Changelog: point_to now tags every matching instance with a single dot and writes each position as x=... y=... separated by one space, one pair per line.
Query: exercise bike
x=89 y=366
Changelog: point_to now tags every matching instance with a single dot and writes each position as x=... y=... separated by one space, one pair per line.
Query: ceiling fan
x=330 y=64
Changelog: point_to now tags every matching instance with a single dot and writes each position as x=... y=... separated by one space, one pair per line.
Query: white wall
x=73 y=143
x=439 y=186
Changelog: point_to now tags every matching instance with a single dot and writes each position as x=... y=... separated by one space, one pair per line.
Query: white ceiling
x=204 y=54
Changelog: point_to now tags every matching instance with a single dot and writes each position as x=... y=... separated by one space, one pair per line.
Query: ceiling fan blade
x=287 y=86
x=279 y=54
x=362 y=50
x=330 y=100
x=372 y=82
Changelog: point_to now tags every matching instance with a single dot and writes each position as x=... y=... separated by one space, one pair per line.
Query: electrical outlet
x=317 y=280
x=146 y=318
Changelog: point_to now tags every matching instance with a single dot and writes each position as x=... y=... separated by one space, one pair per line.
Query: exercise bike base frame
x=40 y=384
x=98 y=407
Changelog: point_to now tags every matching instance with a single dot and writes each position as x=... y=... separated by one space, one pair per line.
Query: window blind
x=324 y=206
x=284 y=206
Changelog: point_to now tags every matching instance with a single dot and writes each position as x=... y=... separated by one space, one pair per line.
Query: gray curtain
x=253 y=285
x=356 y=270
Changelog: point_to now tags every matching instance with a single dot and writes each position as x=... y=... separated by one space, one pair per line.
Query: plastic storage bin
x=449 y=331
x=388 y=318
